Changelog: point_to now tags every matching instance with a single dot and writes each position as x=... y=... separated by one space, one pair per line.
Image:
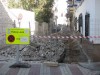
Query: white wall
x=27 y=17
x=61 y=6
x=28 y=21
x=90 y=6
x=97 y=20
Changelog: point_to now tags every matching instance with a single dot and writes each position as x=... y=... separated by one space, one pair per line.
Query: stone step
x=52 y=64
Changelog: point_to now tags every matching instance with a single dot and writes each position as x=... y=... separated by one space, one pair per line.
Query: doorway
x=87 y=24
x=80 y=24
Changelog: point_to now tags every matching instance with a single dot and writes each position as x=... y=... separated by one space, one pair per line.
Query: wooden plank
x=51 y=63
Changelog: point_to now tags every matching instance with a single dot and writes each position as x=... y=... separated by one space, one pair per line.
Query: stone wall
x=45 y=28
x=41 y=28
x=5 y=22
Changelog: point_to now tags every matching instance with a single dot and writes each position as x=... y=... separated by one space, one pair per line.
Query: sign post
x=18 y=36
x=20 y=16
x=17 y=54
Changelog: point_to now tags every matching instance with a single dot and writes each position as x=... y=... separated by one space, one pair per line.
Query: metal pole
x=18 y=53
x=19 y=23
x=17 y=49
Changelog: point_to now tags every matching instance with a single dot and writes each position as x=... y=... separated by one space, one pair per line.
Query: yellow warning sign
x=17 y=36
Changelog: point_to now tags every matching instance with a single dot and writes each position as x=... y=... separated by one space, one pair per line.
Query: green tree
x=13 y=4
x=45 y=12
x=27 y=4
x=42 y=8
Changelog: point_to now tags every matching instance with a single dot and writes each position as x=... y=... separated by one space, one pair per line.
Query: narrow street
x=49 y=37
x=53 y=48
x=44 y=69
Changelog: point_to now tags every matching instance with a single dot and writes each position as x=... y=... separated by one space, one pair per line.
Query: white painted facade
x=91 y=7
x=27 y=21
x=60 y=11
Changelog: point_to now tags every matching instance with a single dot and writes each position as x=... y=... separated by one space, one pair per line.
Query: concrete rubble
x=48 y=49
x=40 y=50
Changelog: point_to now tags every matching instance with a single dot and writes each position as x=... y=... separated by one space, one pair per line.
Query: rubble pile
x=44 y=50
x=38 y=50
x=48 y=49
x=8 y=51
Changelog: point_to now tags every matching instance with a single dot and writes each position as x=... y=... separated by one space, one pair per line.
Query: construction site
x=52 y=50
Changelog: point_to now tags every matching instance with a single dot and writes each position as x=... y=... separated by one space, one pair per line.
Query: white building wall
x=97 y=20
x=89 y=6
x=27 y=21
x=61 y=11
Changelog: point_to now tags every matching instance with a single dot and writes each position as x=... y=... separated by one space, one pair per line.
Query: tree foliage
x=45 y=12
x=42 y=8
x=27 y=4
x=13 y=4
